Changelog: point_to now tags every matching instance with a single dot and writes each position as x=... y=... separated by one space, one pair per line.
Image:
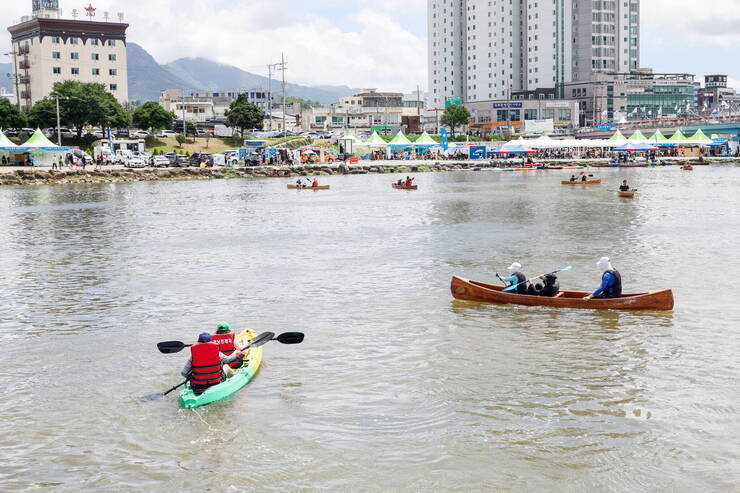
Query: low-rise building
x=205 y=106
x=715 y=95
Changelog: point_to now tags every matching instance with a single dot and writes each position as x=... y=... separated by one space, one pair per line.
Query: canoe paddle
x=502 y=279
x=514 y=286
x=170 y=347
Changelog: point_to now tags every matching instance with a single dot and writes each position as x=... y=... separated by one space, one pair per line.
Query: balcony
x=24 y=65
x=24 y=79
x=25 y=94
x=24 y=50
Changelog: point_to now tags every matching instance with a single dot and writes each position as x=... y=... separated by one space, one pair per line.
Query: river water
x=397 y=387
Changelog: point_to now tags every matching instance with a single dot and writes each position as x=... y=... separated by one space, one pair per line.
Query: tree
x=455 y=116
x=243 y=115
x=191 y=128
x=152 y=116
x=85 y=103
x=43 y=114
x=181 y=139
x=10 y=116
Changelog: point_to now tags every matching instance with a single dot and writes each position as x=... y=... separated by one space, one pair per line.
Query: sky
x=374 y=43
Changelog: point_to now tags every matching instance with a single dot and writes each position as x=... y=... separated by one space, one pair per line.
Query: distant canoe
x=404 y=187
x=687 y=167
x=627 y=195
x=274 y=175
x=589 y=182
x=296 y=187
x=465 y=289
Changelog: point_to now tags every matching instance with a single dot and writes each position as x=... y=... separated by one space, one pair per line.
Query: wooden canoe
x=589 y=182
x=404 y=187
x=296 y=187
x=627 y=195
x=465 y=289
x=687 y=167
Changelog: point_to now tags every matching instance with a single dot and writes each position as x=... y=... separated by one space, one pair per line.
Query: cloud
x=360 y=43
x=713 y=23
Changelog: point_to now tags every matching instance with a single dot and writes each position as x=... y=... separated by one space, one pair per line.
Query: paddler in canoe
x=611 y=281
x=517 y=280
x=624 y=187
x=205 y=367
x=409 y=181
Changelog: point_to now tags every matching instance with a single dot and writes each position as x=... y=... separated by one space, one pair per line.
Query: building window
x=75 y=71
x=113 y=71
x=74 y=55
x=111 y=42
x=111 y=58
x=56 y=40
x=96 y=71
x=94 y=42
x=74 y=41
x=95 y=57
x=56 y=55
x=113 y=87
x=57 y=70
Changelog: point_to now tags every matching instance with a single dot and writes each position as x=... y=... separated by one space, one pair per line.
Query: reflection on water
x=394 y=376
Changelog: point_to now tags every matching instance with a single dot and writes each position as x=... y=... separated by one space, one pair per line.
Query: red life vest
x=226 y=345
x=206 y=364
x=315 y=184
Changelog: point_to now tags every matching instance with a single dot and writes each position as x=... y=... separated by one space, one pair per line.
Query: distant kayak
x=589 y=182
x=405 y=187
x=296 y=187
x=229 y=386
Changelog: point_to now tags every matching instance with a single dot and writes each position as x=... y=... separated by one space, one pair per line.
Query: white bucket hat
x=515 y=267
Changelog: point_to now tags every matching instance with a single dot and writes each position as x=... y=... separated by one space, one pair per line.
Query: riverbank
x=118 y=174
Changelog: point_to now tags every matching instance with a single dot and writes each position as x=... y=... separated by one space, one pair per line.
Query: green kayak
x=231 y=385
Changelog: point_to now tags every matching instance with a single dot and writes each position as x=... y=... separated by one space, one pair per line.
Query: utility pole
x=15 y=77
x=182 y=99
x=418 y=106
x=269 y=97
x=59 y=122
x=282 y=68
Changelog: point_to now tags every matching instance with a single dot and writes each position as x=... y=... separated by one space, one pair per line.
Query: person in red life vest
x=224 y=337
x=315 y=183
x=204 y=367
x=409 y=181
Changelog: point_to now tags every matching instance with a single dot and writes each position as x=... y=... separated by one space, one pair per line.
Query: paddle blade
x=564 y=269
x=261 y=339
x=170 y=347
x=290 y=338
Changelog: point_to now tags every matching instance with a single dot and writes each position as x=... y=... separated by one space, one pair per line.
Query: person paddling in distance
x=224 y=337
x=315 y=183
x=517 y=278
x=624 y=187
x=573 y=178
x=205 y=365
x=611 y=281
x=409 y=181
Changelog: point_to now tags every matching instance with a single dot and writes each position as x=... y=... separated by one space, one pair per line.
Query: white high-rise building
x=486 y=49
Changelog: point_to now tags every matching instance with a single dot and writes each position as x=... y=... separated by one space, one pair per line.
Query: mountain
x=209 y=75
x=5 y=81
x=146 y=78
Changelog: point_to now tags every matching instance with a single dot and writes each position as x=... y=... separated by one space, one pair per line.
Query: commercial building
x=636 y=95
x=715 y=95
x=47 y=49
x=525 y=116
x=487 y=50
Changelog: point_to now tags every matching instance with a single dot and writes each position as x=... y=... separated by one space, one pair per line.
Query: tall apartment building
x=486 y=49
x=48 y=49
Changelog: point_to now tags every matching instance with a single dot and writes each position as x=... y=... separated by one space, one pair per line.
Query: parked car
x=121 y=156
x=201 y=157
x=135 y=162
x=123 y=133
x=181 y=161
x=83 y=156
x=159 y=162
x=167 y=133
x=140 y=134
x=171 y=156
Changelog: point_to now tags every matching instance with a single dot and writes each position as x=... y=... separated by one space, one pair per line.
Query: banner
x=443 y=134
x=477 y=152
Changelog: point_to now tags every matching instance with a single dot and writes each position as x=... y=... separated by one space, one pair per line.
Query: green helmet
x=223 y=328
